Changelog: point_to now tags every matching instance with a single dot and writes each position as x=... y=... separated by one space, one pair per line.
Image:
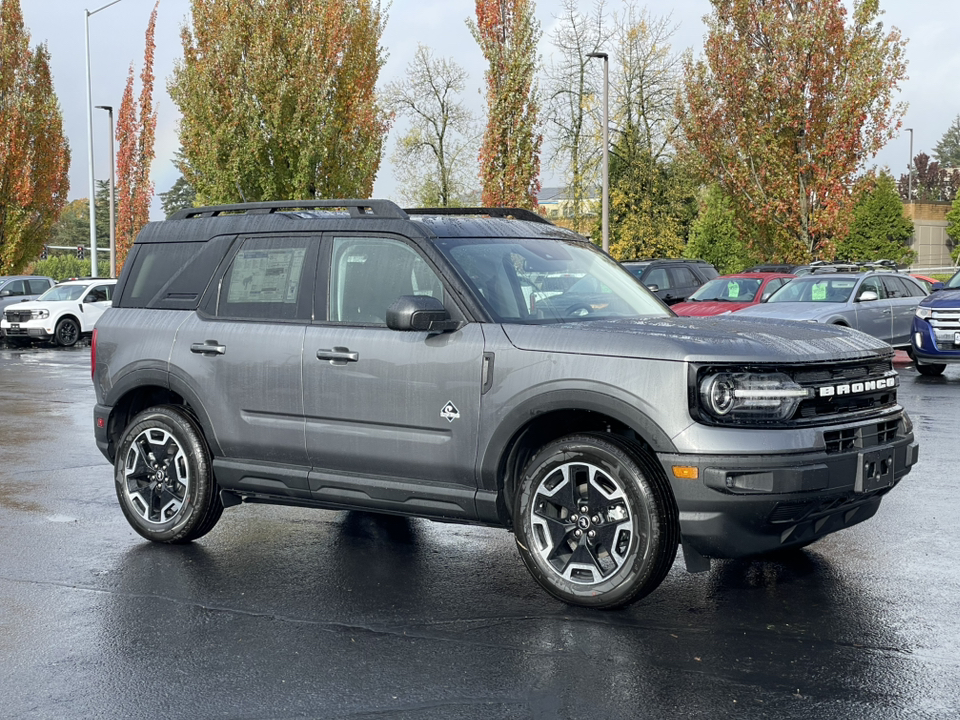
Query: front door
x=388 y=404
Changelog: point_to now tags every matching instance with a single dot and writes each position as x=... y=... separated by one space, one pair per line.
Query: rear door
x=387 y=407
x=240 y=353
x=904 y=297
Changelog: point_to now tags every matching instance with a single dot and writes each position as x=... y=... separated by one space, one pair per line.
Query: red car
x=729 y=293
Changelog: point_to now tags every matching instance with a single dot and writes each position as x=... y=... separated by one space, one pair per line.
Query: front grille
x=17 y=316
x=860 y=438
x=947 y=320
x=845 y=391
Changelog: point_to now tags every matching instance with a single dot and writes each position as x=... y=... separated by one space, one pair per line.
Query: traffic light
x=43 y=253
x=80 y=252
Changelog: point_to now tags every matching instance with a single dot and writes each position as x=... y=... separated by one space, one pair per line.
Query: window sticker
x=266 y=276
x=733 y=289
x=819 y=291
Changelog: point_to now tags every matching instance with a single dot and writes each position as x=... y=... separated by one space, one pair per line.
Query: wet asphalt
x=289 y=613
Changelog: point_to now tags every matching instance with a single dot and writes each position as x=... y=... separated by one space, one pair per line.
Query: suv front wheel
x=596 y=523
x=164 y=480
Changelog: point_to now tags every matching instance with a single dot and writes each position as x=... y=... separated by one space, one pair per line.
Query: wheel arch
x=533 y=424
x=146 y=388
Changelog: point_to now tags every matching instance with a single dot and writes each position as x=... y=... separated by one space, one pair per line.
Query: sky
x=117 y=40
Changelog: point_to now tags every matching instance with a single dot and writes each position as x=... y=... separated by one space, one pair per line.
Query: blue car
x=935 y=340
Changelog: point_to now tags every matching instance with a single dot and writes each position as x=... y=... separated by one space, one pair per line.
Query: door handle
x=338 y=355
x=210 y=347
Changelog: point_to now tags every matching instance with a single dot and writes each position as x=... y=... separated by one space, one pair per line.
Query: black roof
x=200 y=224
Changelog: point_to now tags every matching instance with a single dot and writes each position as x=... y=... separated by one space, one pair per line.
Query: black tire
x=172 y=498
x=631 y=512
x=931 y=369
x=67 y=332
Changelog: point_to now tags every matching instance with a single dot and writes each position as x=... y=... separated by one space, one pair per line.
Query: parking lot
x=288 y=613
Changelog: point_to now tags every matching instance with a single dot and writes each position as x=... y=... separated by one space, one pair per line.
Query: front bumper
x=750 y=505
x=934 y=346
x=24 y=331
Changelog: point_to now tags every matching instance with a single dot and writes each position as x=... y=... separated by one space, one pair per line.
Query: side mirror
x=933 y=288
x=5 y=293
x=868 y=296
x=421 y=313
x=653 y=288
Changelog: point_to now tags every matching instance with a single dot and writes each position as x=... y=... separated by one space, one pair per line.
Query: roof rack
x=508 y=213
x=356 y=208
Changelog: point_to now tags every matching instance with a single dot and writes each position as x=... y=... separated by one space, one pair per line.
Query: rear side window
x=266 y=280
x=38 y=286
x=684 y=277
x=171 y=275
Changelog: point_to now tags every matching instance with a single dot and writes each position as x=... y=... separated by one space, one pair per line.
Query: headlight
x=924 y=313
x=750 y=397
x=39 y=314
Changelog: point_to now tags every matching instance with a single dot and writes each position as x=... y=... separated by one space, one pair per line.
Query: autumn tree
x=507 y=33
x=432 y=157
x=879 y=229
x=931 y=182
x=572 y=105
x=652 y=192
x=278 y=99
x=947 y=151
x=790 y=100
x=34 y=154
x=136 y=130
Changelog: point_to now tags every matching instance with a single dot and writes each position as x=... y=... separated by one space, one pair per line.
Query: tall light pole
x=605 y=207
x=93 y=218
x=910 y=169
x=113 y=230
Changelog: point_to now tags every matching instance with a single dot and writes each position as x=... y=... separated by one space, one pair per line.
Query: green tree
x=67 y=265
x=34 y=154
x=181 y=195
x=574 y=82
x=652 y=192
x=947 y=151
x=715 y=234
x=788 y=103
x=953 y=229
x=278 y=99
x=879 y=230
x=432 y=156
x=72 y=229
x=507 y=33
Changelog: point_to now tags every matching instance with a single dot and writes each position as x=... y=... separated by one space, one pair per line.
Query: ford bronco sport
x=352 y=355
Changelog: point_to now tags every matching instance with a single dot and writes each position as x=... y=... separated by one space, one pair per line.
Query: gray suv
x=353 y=355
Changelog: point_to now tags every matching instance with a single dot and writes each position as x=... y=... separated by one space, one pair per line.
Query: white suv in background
x=63 y=313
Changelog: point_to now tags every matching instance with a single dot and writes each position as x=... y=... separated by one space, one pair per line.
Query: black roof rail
x=508 y=213
x=356 y=208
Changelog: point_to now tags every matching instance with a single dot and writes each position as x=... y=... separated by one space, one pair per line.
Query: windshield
x=954 y=282
x=63 y=292
x=815 y=289
x=536 y=281
x=730 y=289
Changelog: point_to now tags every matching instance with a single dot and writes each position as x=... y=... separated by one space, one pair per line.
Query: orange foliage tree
x=136 y=130
x=507 y=33
x=34 y=154
x=789 y=103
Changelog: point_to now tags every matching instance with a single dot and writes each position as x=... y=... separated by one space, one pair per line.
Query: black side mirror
x=420 y=313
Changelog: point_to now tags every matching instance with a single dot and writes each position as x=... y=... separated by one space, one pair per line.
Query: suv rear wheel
x=164 y=481
x=596 y=523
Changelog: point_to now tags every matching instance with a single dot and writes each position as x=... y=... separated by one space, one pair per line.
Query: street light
x=910 y=168
x=605 y=208
x=93 y=218
x=113 y=232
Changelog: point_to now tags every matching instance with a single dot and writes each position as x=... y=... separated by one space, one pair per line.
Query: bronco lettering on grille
x=857 y=387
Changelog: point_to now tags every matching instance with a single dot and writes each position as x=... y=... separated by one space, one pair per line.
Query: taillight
x=93 y=355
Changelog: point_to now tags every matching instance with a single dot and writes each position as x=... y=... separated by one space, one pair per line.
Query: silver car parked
x=881 y=304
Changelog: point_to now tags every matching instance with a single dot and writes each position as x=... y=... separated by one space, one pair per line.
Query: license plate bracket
x=14 y=326
x=875 y=470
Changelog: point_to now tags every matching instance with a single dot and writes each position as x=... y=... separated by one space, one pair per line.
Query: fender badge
x=450 y=412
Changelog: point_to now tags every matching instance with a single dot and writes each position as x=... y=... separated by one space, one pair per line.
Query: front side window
x=264 y=280
x=368 y=274
x=12 y=288
x=538 y=281
x=100 y=293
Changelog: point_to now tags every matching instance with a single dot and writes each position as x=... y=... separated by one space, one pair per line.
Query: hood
x=25 y=305
x=942 y=299
x=721 y=338
x=793 y=310
x=707 y=307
